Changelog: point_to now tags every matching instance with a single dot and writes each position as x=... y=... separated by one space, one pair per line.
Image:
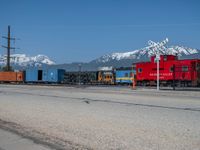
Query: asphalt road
x=101 y=117
x=12 y=141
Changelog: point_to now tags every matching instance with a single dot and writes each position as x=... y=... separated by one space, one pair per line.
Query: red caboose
x=172 y=70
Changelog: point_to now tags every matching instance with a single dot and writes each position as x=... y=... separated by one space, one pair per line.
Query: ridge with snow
x=147 y=52
x=24 y=60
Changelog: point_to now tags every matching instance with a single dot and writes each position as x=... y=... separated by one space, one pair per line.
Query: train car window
x=126 y=74
x=184 y=68
x=165 y=57
x=139 y=70
x=171 y=69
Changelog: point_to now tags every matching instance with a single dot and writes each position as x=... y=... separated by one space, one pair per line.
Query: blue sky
x=82 y=30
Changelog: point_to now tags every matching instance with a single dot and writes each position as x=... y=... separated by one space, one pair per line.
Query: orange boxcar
x=11 y=77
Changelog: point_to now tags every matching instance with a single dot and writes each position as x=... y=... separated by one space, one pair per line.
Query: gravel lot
x=102 y=117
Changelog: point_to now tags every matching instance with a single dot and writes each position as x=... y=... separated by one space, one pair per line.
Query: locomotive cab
x=106 y=77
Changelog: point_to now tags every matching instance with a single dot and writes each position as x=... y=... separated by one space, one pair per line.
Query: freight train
x=173 y=72
x=103 y=77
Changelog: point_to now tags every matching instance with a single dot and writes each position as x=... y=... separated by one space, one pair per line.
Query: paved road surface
x=101 y=118
x=11 y=141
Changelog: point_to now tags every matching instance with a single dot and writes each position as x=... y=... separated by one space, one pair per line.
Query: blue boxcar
x=44 y=75
x=31 y=75
x=53 y=75
x=124 y=75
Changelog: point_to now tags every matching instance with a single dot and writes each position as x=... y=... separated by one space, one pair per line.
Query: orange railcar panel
x=11 y=76
x=20 y=76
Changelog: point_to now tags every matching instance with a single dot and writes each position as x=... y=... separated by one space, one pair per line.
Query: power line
x=8 y=47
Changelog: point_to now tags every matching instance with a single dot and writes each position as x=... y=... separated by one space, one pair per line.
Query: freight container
x=33 y=75
x=53 y=75
x=45 y=75
x=11 y=76
x=87 y=77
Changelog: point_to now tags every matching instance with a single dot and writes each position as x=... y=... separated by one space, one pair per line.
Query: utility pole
x=79 y=67
x=8 y=68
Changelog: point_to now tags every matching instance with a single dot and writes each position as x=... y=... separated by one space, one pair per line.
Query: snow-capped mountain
x=24 y=60
x=147 y=52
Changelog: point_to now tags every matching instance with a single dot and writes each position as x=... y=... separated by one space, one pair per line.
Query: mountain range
x=144 y=53
x=22 y=60
x=117 y=59
x=126 y=59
